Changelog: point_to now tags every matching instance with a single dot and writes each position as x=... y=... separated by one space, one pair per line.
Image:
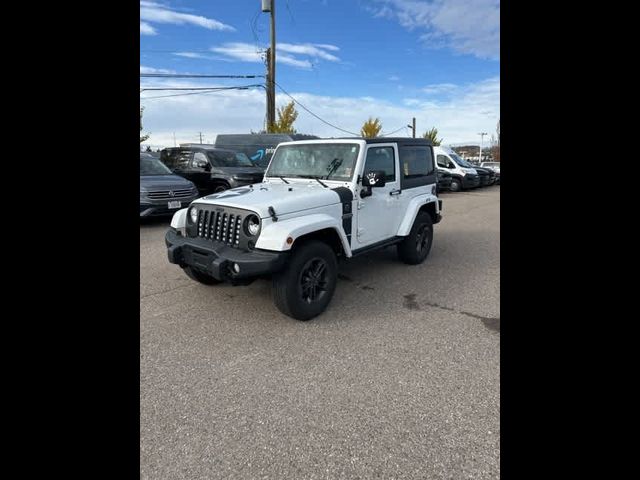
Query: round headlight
x=253 y=225
x=193 y=213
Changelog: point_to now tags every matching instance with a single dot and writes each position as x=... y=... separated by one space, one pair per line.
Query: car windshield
x=334 y=161
x=460 y=161
x=230 y=159
x=153 y=166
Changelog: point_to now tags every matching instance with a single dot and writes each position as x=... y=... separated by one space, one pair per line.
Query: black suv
x=211 y=169
x=487 y=176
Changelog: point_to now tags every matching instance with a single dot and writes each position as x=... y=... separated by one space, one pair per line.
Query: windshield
x=460 y=161
x=334 y=161
x=153 y=166
x=230 y=159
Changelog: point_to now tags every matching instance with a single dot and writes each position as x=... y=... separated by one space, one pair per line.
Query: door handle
x=395 y=192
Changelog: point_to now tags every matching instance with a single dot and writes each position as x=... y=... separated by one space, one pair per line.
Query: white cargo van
x=463 y=174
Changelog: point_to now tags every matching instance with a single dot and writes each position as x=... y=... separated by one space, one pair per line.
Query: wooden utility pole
x=270 y=97
x=413 y=127
x=269 y=6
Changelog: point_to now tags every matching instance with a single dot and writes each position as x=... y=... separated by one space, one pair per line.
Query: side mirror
x=374 y=178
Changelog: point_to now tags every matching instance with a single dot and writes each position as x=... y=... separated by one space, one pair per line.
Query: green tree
x=371 y=128
x=433 y=136
x=286 y=116
x=143 y=138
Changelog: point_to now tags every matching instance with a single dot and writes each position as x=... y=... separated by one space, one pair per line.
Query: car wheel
x=220 y=188
x=200 y=277
x=456 y=186
x=305 y=287
x=415 y=248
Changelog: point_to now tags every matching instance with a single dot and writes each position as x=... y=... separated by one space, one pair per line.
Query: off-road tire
x=416 y=247
x=312 y=269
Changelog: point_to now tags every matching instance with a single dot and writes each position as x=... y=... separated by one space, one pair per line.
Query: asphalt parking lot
x=399 y=378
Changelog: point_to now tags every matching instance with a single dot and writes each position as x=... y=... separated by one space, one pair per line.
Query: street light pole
x=482 y=134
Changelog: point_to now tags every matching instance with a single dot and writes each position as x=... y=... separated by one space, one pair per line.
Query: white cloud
x=146 y=29
x=156 y=13
x=293 y=61
x=247 y=52
x=244 y=52
x=467 y=26
x=144 y=69
x=310 y=50
x=440 y=88
x=189 y=55
x=470 y=109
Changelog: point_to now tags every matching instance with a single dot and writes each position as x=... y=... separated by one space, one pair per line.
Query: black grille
x=219 y=225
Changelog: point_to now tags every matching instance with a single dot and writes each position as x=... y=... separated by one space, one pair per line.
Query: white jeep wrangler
x=320 y=200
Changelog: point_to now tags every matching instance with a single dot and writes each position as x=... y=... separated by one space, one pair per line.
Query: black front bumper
x=470 y=181
x=217 y=259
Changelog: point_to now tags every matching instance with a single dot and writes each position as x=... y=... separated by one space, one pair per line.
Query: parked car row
x=176 y=176
x=456 y=174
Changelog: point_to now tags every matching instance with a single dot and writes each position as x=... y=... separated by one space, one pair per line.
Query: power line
x=211 y=90
x=181 y=75
x=182 y=88
x=309 y=111
x=391 y=133
x=175 y=51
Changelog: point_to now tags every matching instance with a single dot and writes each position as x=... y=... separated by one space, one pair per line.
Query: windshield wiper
x=282 y=178
x=333 y=166
x=321 y=183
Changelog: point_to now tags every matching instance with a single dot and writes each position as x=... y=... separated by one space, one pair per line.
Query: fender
x=412 y=211
x=274 y=234
x=179 y=221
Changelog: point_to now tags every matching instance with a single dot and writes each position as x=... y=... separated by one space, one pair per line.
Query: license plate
x=175 y=204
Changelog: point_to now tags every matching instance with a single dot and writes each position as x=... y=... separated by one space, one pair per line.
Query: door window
x=199 y=160
x=182 y=160
x=443 y=161
x=381 y=158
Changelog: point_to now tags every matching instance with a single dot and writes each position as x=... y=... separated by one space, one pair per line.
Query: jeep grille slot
x=221 y=226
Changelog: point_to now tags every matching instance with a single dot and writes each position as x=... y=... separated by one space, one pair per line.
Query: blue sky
x=345 y=60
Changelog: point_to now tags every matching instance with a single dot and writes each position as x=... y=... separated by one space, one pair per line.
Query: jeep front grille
x=221 y=226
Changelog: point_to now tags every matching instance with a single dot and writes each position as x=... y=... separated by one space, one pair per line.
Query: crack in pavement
x=165 y=291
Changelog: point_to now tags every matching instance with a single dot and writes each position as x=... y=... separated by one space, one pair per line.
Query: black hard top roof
x=404 y=140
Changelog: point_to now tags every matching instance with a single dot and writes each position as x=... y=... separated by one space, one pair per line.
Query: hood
x=283 y=198
x=161 y=182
